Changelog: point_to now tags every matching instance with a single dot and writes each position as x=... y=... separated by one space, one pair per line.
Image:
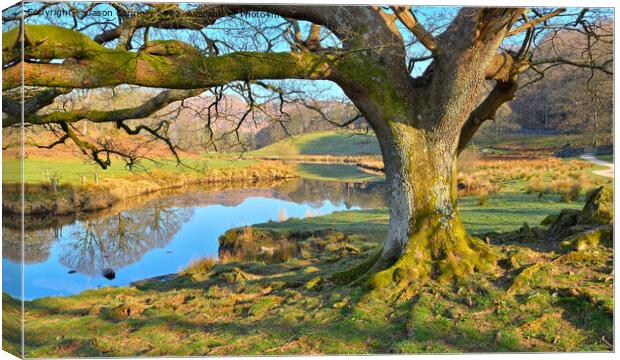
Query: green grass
x=535 y=141
x=608 y=158
x=322 y=143
x=334 y=172
x=71 y=169
x=292 y=308
x=504 y=212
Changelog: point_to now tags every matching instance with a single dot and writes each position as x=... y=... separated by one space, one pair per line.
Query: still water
x=158 y=235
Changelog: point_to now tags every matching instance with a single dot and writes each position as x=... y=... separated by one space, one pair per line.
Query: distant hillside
x=322 y=143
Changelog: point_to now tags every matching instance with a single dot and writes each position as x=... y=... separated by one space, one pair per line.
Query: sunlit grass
x=322 y=143
x=334 y=172
x=72 y=170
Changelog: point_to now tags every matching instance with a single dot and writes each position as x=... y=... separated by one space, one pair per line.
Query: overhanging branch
x=163 y=64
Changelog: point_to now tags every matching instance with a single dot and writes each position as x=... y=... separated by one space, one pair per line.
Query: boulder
x=562 y=223
x=599 y=207
x=602 y=235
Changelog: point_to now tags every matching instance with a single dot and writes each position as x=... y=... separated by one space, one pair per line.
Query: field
x=71 y=170
x=534 y=141
x=334 y=172
x=322 y=143
x=543 y=296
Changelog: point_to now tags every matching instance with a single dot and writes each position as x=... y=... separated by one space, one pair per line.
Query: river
x=158 y=234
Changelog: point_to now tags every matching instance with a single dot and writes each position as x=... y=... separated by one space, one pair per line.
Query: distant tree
x=570 y=100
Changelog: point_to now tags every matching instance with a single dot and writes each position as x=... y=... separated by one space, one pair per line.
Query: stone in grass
x=601 y=235
x=599 y=207
x=597 y=211
x=559 y=225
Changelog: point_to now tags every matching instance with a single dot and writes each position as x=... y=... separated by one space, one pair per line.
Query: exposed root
x=356 y=273
x=439 y=251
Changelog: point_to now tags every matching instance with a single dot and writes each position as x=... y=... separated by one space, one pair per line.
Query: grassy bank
x=558 y=300
x=61 y=186
x=533 y=141
x=551 y=300
x=73 y=170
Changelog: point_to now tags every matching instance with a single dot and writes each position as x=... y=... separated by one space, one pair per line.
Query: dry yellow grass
x=200 y=266
x=483 y=174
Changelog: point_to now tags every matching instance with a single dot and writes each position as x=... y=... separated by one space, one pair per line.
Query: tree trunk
x=426 y=237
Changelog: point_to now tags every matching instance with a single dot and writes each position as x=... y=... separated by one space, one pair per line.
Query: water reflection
x=122 y=239
x=36 y=243
x=169 y=230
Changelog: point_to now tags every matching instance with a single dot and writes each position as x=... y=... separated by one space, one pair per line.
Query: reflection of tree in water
x=37 y=244
x=368 y=195
x=122 y=239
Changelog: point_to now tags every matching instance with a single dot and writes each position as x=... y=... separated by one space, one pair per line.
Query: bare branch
x=407 y=18
x=532 y=23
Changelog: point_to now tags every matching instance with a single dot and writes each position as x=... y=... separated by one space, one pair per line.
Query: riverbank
x=62 y=198
x=559 y=299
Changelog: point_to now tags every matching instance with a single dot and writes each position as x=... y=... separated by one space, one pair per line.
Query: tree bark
x=426 y=237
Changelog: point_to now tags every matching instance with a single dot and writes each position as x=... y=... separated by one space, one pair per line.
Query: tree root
x=356 y=273
x=439 y=253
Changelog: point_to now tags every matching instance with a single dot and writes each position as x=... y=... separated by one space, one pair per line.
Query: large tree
x=423 y=108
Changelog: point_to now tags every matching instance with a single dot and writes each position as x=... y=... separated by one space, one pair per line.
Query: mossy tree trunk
x=419 y=126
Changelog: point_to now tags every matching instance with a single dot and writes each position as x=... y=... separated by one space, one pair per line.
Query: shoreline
x=40 y=200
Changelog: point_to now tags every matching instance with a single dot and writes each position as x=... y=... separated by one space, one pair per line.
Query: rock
x=602 y=235
x=108 y=274
x=560 y=227
x=71 y=272
x=550 y=219
x=529 y=234
x=599 y=207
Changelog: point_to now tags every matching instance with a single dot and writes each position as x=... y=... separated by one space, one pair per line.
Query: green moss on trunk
x=436 y=250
